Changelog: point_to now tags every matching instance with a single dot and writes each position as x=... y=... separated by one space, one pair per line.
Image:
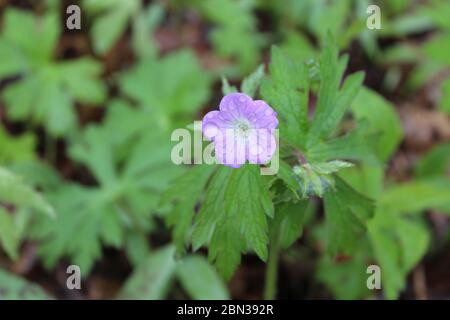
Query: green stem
x=270 y=289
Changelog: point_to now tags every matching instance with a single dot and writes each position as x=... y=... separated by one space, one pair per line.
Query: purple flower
x=242 y=130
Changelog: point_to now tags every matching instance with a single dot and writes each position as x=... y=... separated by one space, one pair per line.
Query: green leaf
x=54 y=106
x=227 y=88
x=143 y=27
x=310 y=182
x=15 y=288
x=423 y=73
x=381 y=118
x=398 y=244
x=211 y=209
x=234 y=33
x=369 y=180
x=19 y=97
x=330 y=167
x=251 y=83
x=316 y=179
x=151 y=280
x=298 y=47
x=247 y=197
x=11 y=61
x=95 y=150
x=400 y=53
x=226 y=246
x=9 y=238
x=437 y=47
x=130 y=181
x=200 y=280
x=107 y=29
x=172 y=86
x=427 y=194
x=80 y=78
x=357 y=145
x=333 y=101
x=22 y=30
x=46 y=91
x=346 y=279
x=18 y=149
x=185 y=193
x=286 y=174
x=437 y=10
x=288 y=222
x=152 y=174
x=399 y=238
x=397 y=6
x=233 y=217
x=346 y=213
x=124 y=122
x=287 y=91
x=325 y=17
x=434 y=163
x=76 y=231
x=38 y=173
x=112 y=21
x=136 y=248
x=405 y=25
x=14 y=191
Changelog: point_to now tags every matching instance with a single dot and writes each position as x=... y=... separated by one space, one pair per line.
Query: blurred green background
x=86 y=117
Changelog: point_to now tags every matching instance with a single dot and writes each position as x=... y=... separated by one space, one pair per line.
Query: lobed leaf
x=185 y=192
x=346 y=212
x=287 y=91
x=16 y=288
x=233 y=217
x=201 y=280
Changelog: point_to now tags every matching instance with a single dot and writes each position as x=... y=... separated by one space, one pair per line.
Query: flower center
x=242 y=128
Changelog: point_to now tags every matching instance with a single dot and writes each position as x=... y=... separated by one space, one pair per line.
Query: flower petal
x=262 y=147
x=262 y=115
x=233 y=146
x=235 y=105
x=211 y=124
x=231 y=150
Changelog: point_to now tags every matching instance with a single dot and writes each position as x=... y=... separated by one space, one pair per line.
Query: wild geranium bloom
x=242 y=130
